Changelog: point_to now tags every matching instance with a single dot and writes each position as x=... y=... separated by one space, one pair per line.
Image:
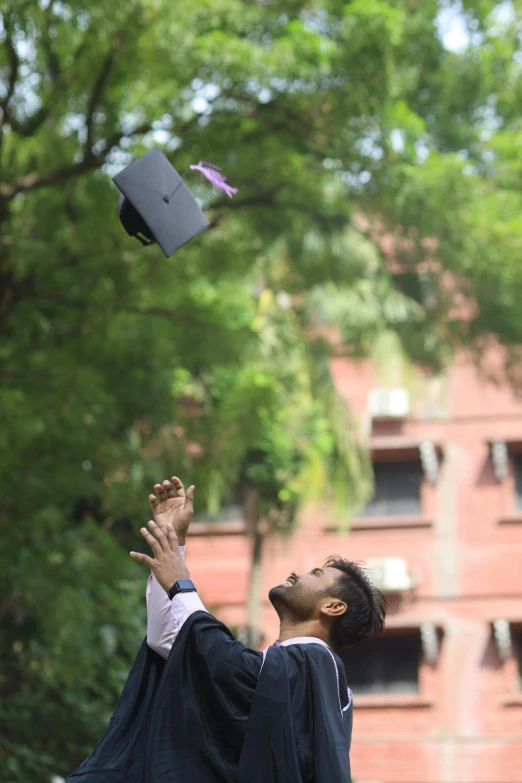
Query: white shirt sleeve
x=165 y=617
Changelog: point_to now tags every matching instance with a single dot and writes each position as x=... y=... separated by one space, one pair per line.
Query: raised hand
x=166 y=565
x=173 y=506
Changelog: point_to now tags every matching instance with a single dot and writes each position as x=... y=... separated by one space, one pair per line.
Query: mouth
x=290 y=582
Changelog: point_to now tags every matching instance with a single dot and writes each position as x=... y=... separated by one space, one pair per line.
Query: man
x=199 y=707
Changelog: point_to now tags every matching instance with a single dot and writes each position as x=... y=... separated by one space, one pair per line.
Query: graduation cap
x=157 y=206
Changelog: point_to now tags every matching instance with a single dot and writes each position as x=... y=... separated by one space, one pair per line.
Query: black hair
x=366 y=610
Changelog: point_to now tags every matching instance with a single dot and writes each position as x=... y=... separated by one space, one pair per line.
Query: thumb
x=172 y=539
x=189 y=498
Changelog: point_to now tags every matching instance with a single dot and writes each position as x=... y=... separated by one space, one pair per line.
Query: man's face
x=299 y=598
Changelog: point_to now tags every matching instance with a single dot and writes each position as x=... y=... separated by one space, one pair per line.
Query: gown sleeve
x=181 y=719
x=200 y=718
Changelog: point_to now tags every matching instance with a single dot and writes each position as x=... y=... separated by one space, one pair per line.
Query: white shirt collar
x=304 y=640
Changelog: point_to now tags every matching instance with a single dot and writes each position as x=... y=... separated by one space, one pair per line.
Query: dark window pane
x=385 y=664
x=518 y=479
x=230 y=511
x=518 y=642
x=397 y=489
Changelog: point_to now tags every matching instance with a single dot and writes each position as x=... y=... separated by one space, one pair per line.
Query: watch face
x=185 y=584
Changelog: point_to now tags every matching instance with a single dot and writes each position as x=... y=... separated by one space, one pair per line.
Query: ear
x=333 y=607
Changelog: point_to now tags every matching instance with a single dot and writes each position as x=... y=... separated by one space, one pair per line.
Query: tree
x=275 y=431
x=351 y=131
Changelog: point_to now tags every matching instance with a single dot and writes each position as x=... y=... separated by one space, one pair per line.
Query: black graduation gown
x=214 y=712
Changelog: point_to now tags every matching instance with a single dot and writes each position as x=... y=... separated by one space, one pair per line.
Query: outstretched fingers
x=167 y=489
x=178 y=486
x=159 y=537
x=157 y=542
x=142 y=558
x=161 y=492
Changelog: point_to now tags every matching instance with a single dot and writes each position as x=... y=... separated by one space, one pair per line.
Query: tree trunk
x=255 y=579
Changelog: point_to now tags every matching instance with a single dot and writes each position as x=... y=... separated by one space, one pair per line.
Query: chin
x=278 y=596
x=290 y=603
x=285 y=601
x=275 y=592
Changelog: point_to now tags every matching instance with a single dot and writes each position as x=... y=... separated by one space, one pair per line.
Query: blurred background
x=335 y=363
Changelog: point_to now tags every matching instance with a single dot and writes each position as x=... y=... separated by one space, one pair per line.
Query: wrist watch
x=181 y=586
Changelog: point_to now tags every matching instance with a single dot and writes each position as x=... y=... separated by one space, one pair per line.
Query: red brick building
x=438 y=698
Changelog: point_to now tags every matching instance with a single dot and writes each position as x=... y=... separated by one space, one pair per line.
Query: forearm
x=165 y=617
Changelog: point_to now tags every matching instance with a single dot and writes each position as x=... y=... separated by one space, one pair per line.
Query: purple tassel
x=215 y=176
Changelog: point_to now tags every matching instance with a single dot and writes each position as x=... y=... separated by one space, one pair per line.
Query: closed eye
x=317 y=572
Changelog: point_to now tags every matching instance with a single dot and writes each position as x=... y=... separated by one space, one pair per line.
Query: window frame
x=516 y=636
x=392 y=633
x=409 y=460
x=516 y=460
x=513 y=666
x=428 y=674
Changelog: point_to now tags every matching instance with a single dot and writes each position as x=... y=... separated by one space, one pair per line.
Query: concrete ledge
x=373 y=523
x=512 y=701
x=216 y=529
x=513 y=518
x=384 y=701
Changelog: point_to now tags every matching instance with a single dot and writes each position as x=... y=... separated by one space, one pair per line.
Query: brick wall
x=465 y=552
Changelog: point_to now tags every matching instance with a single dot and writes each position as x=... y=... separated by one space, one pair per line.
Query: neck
x=289 y=630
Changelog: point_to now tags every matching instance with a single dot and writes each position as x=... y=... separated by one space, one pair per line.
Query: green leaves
x=379 y=186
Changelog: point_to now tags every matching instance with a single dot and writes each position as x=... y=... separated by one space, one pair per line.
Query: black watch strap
x=181 y=586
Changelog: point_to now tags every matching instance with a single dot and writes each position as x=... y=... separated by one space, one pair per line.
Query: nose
x=296 y=574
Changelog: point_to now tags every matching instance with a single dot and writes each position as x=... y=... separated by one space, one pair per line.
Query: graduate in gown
x=200 y=707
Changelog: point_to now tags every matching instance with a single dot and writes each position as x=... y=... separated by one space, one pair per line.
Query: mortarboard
x=157 y=206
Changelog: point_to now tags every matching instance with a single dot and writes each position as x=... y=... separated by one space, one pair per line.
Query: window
x=518 y=652
x=397 y=489
x=231 y=510
x=384 y=664
x=517 y=463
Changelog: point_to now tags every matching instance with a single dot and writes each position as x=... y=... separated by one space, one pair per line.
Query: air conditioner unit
x=390 y=574
x=388 y=403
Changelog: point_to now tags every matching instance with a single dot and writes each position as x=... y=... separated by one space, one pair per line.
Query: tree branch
x=53 y=177
x=160 y=312
x=267 y=200
x=55 y=67
x=96 y=96
x=174 y=315
x=14 y=62
x=57 y=80
x=66 y=173
x=31 y=124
